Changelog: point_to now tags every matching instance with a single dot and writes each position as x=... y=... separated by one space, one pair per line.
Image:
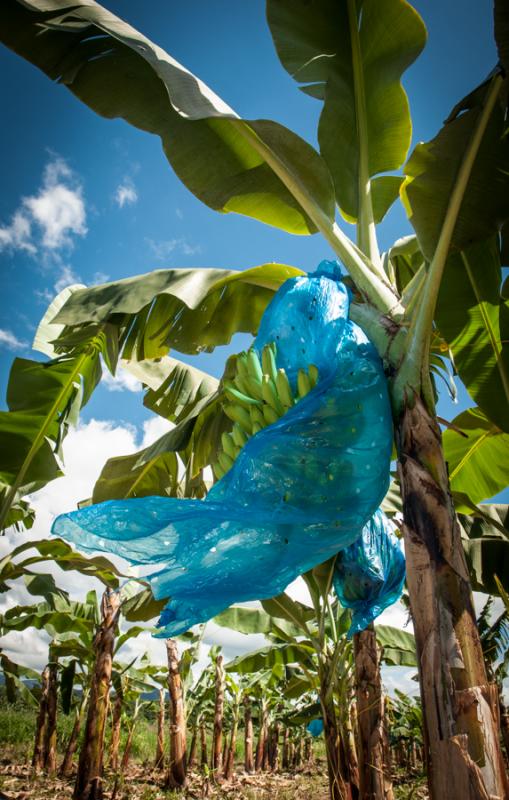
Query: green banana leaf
x=255 y=620
x=478 y=460
x=174 y=388
x=398 y=646
x=268 y=657
x=432 y=172
x=43 y=400
x=63 y=556
x=115 y=70
x=474 y=320
x=189 y=310
x=341 y=53
x=486 y=544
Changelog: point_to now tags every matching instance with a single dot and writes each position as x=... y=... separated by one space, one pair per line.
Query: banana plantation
x=317 y=454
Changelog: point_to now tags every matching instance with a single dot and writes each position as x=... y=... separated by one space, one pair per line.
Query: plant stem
x=374 y=288
x=366 y=229
x=415 y=367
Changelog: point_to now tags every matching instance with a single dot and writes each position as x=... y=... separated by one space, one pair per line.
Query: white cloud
x=50 y=218
x=66 y=278
x=163 y=249
x=10 y=341
x=17 y=235
x=122 y=381
x=126 y=194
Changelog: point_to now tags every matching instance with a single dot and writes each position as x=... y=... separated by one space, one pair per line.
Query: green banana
x=255 y=387
x=269 y=361
x=270 y=395
x=253 y=365
x=218 y=470
x=239 y=414
x=258 y=395
x=313 y=375
x=303 y=383
x=284 y=389
x=238 y=435
x=257 y=416
x=270 y=415
x=225 y=461
x=238 y=397
x=229 y=446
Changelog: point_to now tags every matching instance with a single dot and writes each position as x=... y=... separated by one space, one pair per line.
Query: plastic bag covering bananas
x=258 y=396
x=301 y=488
x=369 y=574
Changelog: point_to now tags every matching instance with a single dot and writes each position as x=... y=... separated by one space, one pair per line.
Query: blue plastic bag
x=300 y=489
x=315 y=727
x=369 y=574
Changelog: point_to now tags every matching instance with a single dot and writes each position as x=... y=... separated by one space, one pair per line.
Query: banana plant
x=445 y=282
x=311 y=642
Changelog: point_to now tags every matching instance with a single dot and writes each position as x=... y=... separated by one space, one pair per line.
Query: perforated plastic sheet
x=300 y=489
x=369 y=574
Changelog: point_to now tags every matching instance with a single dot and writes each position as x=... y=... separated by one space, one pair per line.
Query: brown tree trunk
x=375 y=781
x=177 y=770
x=308 y=750
x=66 y=766
x=159 y=762
x=286 y=748
x=192 y=749
x=274 y=747
x=88 y=784
x=232 y=749
x=217 y=742
x=203 y=746
x=262 y=735
x=40 y=723
x=50 y=732
x=248 y=736
x=504 y=725
x=351 y=760
x=338 y=787
x=460 y=706
x=116 y=720
x=127 y=750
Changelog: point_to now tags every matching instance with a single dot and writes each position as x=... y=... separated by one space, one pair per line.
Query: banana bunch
x=258 y=395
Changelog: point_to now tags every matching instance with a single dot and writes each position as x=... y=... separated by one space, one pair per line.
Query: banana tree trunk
x=217 y=742
x=192 y=748
x=460 y=705
x=116 y=719
x=66 y=766
x=339 y=789
x=40 y=723
x=375 y=782
x=127 y=750
x=262 y=728
x=89 y=784
x=248 y=736
x=230 y=763
x=177 y=770
x=274 y=747
x=504 y=725
x=50 y=733
x=159 y=761
x=286 y=748
x=203 y=746
x=308 y=750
